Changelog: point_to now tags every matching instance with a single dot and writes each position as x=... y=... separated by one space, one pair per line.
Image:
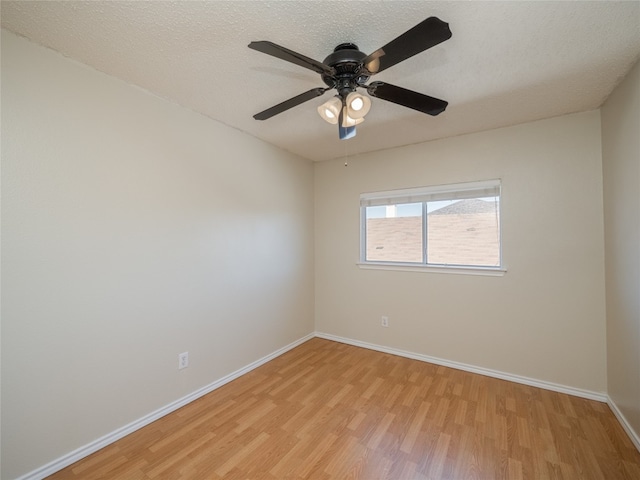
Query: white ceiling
x=507 y=62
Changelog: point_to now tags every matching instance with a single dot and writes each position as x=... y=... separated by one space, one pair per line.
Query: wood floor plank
x=327 y=410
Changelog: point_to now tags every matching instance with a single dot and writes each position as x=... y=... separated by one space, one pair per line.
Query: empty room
x=320 y=240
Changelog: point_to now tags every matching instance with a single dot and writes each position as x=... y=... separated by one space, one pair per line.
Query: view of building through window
x=455 y=232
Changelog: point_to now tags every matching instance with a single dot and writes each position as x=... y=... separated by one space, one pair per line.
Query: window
x=454 y=226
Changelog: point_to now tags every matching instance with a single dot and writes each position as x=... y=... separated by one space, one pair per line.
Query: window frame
x=425 y=194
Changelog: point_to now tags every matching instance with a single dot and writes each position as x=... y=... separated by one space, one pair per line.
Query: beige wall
x=545 y=318
x=133 y=230
x=621 y=166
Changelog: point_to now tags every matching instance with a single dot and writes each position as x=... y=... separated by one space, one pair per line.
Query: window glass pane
x=394 y=233
x=464 y=232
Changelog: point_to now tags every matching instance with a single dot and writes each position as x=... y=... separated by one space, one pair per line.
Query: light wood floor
x=326 y=410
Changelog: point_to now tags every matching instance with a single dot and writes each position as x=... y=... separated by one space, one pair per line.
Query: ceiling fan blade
x=292 y=102
x=407 y=98
x=426 y=34
x=283 y=53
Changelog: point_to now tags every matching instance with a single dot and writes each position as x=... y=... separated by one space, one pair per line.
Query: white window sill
x=408 y=267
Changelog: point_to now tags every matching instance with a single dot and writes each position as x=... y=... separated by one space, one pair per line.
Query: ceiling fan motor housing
x=346 y=60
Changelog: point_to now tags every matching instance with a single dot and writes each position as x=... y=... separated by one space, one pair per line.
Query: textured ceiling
x=507 y=62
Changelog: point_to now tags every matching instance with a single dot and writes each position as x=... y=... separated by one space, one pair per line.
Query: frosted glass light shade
x=330 y=110
x=358 y=105
x=348 y=121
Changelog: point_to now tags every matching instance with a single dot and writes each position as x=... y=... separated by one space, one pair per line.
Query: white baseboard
x=112 y=437
x=633 y=435
x=108 y=439
x=600 y=397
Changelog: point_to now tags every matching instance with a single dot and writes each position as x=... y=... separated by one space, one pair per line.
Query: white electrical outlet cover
x=183 y=360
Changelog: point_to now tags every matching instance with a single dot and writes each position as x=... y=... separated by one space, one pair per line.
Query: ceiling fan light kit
x=356 y=105
x=347 y=69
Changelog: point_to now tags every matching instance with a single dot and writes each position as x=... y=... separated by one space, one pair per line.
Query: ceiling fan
x=347 y=69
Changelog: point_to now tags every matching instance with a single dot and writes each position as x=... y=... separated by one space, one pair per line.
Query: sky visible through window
x=415 y=209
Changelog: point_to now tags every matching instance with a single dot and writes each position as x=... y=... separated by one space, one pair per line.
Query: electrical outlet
x=183 y=360
x=385 y=321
